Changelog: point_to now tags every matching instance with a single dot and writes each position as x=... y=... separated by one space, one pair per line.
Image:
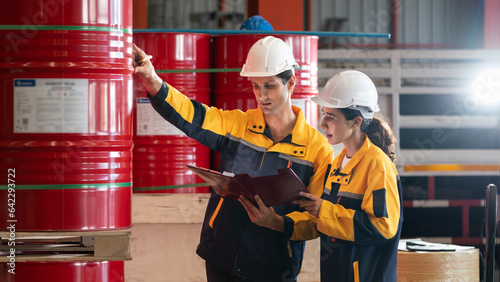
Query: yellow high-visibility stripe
x=355 y=267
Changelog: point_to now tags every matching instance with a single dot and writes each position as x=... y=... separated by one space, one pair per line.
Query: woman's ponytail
x=378 y=130
x=381 y=134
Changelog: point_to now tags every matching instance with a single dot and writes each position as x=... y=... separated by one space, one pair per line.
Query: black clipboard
x=274 y=190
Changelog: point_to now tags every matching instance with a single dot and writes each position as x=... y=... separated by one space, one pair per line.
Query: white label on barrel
x=51 y=105
x=301 y=103
x=149 y=122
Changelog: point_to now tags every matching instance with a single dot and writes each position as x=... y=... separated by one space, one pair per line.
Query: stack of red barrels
x=78 y=133
x=66 y=136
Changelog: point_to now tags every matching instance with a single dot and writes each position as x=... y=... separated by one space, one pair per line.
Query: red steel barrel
x=231 y=91
x=66 y=142
x=66 y=80
x=161 y=151
x=92 y=271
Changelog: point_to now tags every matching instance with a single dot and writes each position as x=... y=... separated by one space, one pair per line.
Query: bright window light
x=486 y=88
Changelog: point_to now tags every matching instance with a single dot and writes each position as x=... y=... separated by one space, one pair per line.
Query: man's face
x=271 y=94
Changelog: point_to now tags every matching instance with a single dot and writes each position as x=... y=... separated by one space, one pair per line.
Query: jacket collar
x=300 y=130
x=256 y=123
x=355 y=159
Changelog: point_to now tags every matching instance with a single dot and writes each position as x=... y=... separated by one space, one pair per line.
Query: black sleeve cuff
x=289 y=225
x=162 y=94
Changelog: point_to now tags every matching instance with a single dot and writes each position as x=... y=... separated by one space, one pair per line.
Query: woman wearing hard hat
x=359 y=215
x=256 y=142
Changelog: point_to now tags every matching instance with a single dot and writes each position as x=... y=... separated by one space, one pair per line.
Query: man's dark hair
x=285 y=76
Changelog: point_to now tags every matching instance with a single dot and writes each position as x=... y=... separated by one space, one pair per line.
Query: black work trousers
x=216 y=274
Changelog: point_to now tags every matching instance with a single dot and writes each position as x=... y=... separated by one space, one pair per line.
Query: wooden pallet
x=66 y=246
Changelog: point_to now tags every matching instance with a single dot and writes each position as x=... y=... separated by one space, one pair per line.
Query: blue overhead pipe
x=316 y=33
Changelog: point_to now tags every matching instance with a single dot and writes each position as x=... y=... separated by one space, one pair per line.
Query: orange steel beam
x=491 y=24
x=140 y=14
x=281 y=14
x=222 y=9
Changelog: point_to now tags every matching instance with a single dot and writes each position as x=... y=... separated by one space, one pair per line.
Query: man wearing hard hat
x=256 y=142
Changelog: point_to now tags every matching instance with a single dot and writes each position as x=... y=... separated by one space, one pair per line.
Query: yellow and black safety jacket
x=229 y=239
x=360 y=219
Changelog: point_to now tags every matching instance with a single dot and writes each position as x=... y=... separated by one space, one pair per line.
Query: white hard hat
x=350 y=89
x=269 y=56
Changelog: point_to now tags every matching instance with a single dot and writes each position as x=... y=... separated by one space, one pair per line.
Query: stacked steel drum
x=78 y=133
x=66 y=139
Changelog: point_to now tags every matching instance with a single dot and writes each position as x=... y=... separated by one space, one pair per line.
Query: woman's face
x=271 y=94
x=336 y=127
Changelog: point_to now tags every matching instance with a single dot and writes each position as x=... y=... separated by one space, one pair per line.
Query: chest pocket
x=295 y=151
x=337 y=177
x=246 y=159
x=336 y=195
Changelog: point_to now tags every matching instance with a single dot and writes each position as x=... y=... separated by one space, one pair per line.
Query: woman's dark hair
x=285 y=76
x=378 y=130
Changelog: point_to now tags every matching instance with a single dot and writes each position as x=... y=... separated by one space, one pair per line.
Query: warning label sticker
x=51 y=105
x=149 y=122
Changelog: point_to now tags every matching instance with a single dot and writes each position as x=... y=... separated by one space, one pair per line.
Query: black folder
x=274 y=190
